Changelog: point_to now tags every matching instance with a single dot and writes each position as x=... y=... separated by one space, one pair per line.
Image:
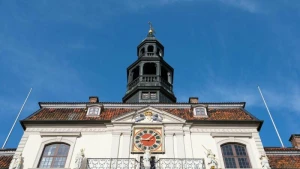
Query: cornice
x=65 y=134
x=57 y=130
x=210 y=130
x=139 y=105
x=282 y=153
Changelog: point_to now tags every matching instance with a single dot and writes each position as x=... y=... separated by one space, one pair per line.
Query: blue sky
x=220 y=50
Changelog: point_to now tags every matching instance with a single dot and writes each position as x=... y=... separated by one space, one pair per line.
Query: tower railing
x=151 y=80
x=150 y=53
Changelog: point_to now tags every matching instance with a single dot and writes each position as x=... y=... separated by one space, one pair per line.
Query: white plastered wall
x=180 y=142
x=212 y=138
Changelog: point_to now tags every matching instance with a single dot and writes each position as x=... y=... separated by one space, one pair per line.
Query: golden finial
x=151 y=30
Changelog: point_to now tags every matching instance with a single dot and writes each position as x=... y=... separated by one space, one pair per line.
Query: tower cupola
x=150 y=78
x=150 y=46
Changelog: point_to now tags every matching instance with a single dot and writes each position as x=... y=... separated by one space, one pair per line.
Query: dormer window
x=200 y=111
x=93 y=111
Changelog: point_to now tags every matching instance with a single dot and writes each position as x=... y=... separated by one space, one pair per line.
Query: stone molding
x=282 y=153
x=51 y=168
x=67 y=129
x=65 y=134
x=231 y=134
x=211 y=130
x=138 y=106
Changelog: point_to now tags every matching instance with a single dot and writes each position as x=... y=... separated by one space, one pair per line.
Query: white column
x=126 y=145
x=180 y=145
x=169 y=144
x=188 y=143
x=115 y=144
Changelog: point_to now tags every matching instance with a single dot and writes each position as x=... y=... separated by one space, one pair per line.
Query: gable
x=148 y=115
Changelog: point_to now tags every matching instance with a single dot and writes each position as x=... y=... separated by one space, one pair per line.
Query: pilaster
x=188 y=142
x=180 y=145
x=126 y=144
x=115 y=143
x=169 y=144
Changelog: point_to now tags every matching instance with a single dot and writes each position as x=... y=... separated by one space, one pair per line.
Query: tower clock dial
x=144 y=138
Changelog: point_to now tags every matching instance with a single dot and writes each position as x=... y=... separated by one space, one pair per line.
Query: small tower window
x=149 y=95
x=142 y=52
x=158 y=52
x=200 y=111
x=153 y=95
x=145 y=95
x=150 y=48
x=93 y=111
x=149 y=69
x=136 y=72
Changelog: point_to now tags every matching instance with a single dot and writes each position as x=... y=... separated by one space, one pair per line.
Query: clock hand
x=152 y=135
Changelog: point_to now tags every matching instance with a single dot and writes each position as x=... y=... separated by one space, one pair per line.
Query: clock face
x=144 y=138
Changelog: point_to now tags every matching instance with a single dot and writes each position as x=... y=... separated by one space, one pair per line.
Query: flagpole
x=270 y=116
x=16 y=119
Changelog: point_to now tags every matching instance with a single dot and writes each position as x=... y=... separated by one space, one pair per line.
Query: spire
x=151 y=31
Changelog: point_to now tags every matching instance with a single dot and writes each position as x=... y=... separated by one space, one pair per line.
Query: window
x=150 y=48
x=149 y=95
x=153 y=95
x=145 y=95
x=200 y=111
x=235 y=156
x=94 y=111
x=54 y=156
x=142 y=51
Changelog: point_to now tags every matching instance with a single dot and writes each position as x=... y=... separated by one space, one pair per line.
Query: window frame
x=55 y=153
x=48 y=138
x=93 y=115
x=149 y=95
x=235 y=156
x=201 y=115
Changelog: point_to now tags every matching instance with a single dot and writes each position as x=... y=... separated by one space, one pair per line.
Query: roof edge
x=121 y=104
x=257 y=122
x=25 y=122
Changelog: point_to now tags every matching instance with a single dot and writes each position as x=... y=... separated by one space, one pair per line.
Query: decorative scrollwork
x=178 y=163
x=106 y=163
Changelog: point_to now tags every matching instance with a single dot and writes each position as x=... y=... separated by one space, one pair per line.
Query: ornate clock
x=147 y=137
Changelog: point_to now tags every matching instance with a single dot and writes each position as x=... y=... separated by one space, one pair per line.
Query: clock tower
x=150 y=78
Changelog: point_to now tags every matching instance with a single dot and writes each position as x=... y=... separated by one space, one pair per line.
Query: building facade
x=148 y=124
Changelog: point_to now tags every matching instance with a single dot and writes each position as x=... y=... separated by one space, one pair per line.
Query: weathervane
x=151 y=30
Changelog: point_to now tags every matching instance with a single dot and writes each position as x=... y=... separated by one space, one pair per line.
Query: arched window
x=150 y=48
x=54 y=156
x=142 y=52
x=149 y=69
x=235 y=156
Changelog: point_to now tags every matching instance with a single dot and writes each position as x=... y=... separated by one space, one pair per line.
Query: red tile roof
x=284 y=161
x=110 y=113
x=5 y=161
x=287 y=157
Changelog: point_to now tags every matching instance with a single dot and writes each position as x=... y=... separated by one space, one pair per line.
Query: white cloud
x=247 y=5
